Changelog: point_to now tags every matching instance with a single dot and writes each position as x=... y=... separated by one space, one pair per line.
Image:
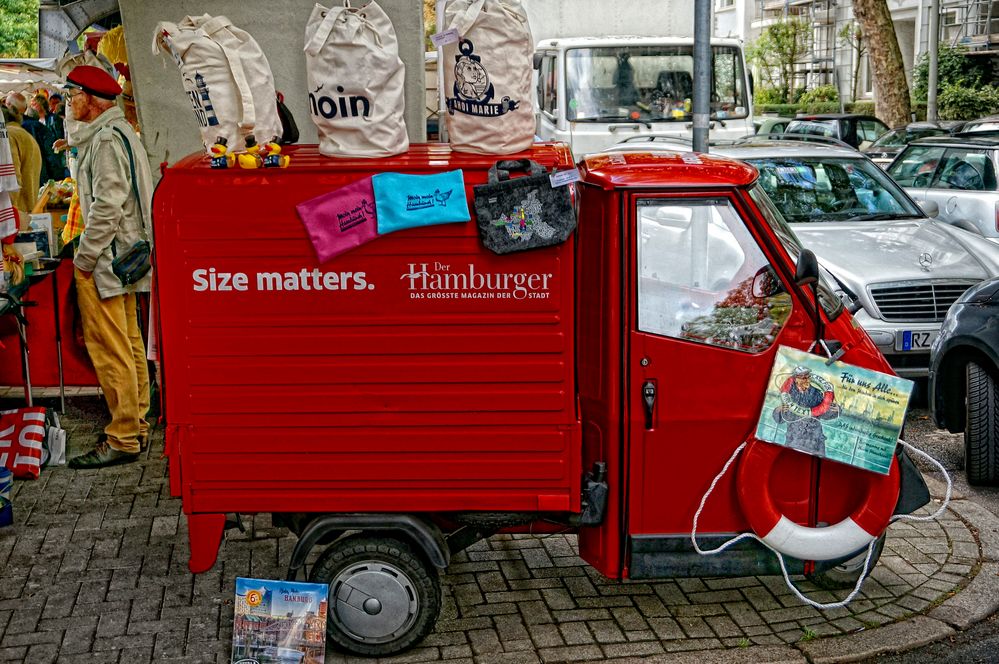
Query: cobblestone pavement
x=95 y=570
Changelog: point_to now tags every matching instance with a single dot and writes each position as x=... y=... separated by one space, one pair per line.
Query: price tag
x=563 y=178
x=447 y=37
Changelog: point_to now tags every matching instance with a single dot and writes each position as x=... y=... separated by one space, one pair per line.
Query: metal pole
x=702 y=73
x=933 y=42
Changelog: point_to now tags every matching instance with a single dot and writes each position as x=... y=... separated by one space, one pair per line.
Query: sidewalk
x=95 y=571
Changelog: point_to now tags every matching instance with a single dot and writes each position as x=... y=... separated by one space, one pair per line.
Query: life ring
x=848 y=536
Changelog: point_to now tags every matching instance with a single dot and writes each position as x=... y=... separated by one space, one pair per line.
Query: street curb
x=986 y=525
x=905 y=635
x=976 y=602
x=754 y=654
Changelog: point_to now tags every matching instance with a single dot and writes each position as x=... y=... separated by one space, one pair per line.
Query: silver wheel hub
x=373 y=601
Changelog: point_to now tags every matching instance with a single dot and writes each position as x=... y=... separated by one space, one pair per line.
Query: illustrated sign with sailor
x=833 y=410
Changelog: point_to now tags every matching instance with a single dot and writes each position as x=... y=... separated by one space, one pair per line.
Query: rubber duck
x=273 y=157
x=251 y=158
x=221 y=157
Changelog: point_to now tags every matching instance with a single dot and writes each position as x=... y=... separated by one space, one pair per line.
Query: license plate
x=909 y=340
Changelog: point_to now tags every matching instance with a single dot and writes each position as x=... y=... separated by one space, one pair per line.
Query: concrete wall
x=168 y=123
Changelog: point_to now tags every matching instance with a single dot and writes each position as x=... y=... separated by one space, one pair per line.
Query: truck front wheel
x=383 y=598
x=981 y=430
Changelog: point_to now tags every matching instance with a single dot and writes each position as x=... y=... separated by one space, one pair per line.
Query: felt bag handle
x=501 y=170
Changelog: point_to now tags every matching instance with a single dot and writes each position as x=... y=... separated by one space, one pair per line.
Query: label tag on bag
x=563 y=178
x=449 y=36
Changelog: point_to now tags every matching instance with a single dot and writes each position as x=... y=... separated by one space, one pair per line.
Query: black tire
x=846 y=574
x=384 y=597
x=981 y=432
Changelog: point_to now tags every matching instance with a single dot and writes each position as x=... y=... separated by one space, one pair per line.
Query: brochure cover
x=836 y=411
x=279 y=622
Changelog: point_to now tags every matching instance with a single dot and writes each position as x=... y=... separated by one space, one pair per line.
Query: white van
x=593 y=92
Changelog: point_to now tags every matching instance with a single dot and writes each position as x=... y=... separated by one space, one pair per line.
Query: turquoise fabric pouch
x=410 y=201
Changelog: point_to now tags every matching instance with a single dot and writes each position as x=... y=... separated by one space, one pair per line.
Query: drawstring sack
x=227 y=77
x=356 y=81
x=487 y=77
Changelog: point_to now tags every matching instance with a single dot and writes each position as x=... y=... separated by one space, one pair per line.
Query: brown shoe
x=101 y=456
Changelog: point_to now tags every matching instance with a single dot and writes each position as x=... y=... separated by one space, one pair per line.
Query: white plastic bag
x=487 y=76
x=356 y=81
x=227 y=77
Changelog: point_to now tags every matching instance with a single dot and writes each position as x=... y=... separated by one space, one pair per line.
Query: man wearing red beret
x=115 y=190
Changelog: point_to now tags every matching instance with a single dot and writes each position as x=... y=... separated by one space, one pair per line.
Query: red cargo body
x=418 y=373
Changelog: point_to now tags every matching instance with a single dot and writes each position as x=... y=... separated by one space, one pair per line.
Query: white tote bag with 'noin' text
x=487 y=76
x=227 y=77
x=356 y=81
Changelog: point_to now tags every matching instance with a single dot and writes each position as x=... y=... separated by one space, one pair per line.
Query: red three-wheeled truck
x=420 y=393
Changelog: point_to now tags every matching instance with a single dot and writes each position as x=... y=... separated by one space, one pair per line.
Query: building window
x=725 y=4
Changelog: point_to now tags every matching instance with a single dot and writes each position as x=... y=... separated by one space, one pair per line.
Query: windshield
x=899 y=138
x=830 y=303
x=649 y=84
x=821 y=189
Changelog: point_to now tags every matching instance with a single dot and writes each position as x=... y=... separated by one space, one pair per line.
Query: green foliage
x=819 y=94
x=776 y=51
x=18 y=28
x=954 y=67
x=767 y=95
x=861 y=107
x=958 y=102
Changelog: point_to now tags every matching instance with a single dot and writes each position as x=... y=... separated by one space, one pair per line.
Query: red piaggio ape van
x=421 y=393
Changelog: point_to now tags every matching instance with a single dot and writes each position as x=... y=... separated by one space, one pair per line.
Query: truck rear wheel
x=846 y=574
x=384 y=597
x=981 y=431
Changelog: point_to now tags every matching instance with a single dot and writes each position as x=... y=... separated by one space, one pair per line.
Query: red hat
x=93 y=80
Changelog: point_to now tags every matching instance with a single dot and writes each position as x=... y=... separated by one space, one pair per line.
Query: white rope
x=780 y=557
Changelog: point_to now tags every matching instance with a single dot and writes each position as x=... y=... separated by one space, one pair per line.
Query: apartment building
x=831 y=60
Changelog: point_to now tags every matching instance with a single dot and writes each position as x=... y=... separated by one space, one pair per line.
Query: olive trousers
x=114 y=343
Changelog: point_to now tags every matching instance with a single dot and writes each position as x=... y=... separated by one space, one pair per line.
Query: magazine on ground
x=279 y=622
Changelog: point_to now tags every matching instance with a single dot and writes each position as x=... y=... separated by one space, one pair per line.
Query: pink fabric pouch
x=340 y=220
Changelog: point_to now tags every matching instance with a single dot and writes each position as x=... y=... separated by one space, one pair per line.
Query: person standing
x=27 y=158
x=115 y=189
x=43 y=136
x=53 y=123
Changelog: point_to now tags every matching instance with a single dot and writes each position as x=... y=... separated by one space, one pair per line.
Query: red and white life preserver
x=851 y=534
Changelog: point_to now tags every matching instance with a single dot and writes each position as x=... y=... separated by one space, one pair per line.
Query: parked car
x=964 y=379
x=856 y=130
x=988 y=123
x=958 y=175
x=899 y=270
x=887 y=147
x=770 y=124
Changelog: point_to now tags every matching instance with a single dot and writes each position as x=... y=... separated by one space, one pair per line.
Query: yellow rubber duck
x=273 y=157
x=251 y=158
x=221 y=157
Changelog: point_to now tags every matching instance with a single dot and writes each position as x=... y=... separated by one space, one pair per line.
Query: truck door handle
x=649 y=399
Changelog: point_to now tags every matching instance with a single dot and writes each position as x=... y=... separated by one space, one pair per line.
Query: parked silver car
x=900 y=269
x=956 y=173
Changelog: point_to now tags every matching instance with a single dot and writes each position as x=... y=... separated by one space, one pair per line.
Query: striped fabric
x=8 y=178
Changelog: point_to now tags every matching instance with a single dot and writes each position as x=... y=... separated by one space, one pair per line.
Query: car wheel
x=383 y=596
x=847 y=573
x=981 y=432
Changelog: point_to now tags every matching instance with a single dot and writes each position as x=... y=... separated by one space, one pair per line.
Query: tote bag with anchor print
x=356 y=81
x=487 y=77
x=227 y=77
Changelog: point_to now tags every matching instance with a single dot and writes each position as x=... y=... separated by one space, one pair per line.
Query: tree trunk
x=891 y=92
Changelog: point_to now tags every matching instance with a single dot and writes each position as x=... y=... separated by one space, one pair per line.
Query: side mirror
x=807 y=270
x=538 y=57
x=766 y=284
x=929 y=208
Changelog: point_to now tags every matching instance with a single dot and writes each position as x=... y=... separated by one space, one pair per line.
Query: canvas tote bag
x=226 y=76
x=356 y=81
x=487 y=77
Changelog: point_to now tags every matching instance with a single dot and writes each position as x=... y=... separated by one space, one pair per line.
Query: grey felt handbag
x=517 y=214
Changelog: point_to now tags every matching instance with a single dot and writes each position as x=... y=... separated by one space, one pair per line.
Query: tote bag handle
x=211 y=29
x=462 y=22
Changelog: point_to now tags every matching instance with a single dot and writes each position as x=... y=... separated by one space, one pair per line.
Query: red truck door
x=699 y=352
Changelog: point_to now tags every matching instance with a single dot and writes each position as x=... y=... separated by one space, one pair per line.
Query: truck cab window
x=702 y=278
